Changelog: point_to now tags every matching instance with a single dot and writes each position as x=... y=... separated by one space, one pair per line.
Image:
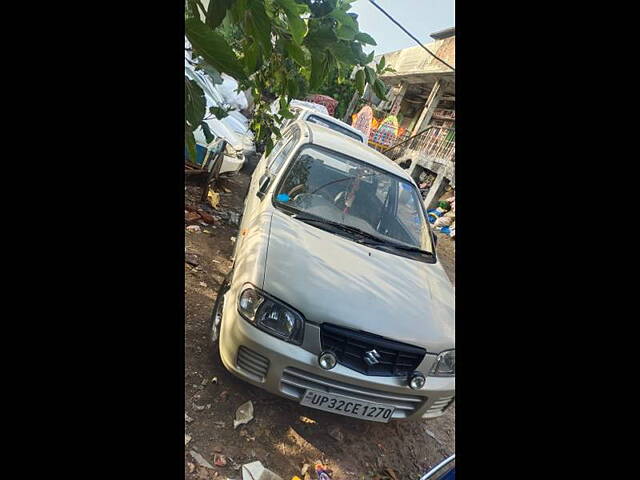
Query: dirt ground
x=283 y=435
x=446 y=251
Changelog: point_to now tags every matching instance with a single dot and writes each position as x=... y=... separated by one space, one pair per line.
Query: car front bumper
x=289 y=370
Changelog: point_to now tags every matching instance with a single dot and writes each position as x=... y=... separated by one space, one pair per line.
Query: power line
x=409 y=33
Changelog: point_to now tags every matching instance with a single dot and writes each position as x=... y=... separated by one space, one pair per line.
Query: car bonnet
x=332 y=279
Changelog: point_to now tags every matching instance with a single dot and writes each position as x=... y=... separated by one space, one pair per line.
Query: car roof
x=325 y=137
x=329 y=118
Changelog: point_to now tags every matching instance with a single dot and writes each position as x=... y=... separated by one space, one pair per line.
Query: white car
x=235 y=150
x=336 y=299
x=239 y=124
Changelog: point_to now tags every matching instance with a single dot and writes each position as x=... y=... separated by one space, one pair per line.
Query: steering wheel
x=295 y=191
x=298 y=191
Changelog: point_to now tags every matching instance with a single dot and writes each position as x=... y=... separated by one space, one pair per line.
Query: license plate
x=347 y=406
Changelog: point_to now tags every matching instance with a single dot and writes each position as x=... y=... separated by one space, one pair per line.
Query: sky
x=420 y=17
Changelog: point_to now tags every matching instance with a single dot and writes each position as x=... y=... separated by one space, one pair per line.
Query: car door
x=266 y=168
x=261 y=167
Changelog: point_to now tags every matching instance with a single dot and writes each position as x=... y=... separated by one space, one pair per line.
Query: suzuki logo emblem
x=372 y=357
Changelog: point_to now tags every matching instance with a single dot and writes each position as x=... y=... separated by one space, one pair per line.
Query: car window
x=276 y=148
x=341 y=189
x=409 y=210
x=335 y=127
x=282 y=155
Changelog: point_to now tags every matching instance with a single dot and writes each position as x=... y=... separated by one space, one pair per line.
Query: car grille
x=252 y=363
x=395 y=359
x=295 y=383
x=441 y=404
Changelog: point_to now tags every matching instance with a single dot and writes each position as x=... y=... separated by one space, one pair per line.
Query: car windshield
x=323 y=185
x=334 y=126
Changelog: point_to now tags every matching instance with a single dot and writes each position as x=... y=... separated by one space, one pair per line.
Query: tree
x=275 y=48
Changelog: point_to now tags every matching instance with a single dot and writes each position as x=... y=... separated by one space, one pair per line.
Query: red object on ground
x=207 y=218
x=328 y=102
x=191 y=217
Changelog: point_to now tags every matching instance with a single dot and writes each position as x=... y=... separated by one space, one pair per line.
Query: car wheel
x=216 y=317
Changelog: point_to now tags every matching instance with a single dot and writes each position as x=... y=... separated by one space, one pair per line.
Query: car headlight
x=445 y=365
x=271 y=315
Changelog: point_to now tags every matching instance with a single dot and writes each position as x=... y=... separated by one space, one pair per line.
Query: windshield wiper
x=372 y=240
x=408 y=248
x=399 y=246
x=341 y=226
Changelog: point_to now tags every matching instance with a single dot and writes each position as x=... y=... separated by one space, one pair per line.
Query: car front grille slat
x=441 y=404
x=396 y=359
x=295 y=382
x=252 y=363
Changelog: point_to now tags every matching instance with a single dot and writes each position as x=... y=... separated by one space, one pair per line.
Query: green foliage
x=342 y=90
x=217 y=11
x=278 y=48
x=360 y=81
x=294 y=12
x=195 y=105
x=213 y=48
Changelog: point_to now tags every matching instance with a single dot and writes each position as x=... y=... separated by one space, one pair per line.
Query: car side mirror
x=435 y=240
x=263 y=185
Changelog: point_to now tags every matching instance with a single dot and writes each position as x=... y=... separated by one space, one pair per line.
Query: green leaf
x=346 y=5
x=269 y=146
x=365 y=38
x=297 y=25
x=207 y=132
x=280 y=78
x=258 y=25
x=370 y=75
x=190 y=142
x=296 y=53
x=347 y=26
x=317 y=65
x=344 y=18
x=380 y=89
x=192 y=10
x=252 y=57
x=329 y=64
x=345 y=32
x=360 y=56
x=194 y=104
x=217 y=11
x=213 y=48
x=360 y=81
x=343 y=52
x=369 y=58
x=284 y=108
x=320 y=37
x=292 y=88
x=287 y=114
x=219 y=112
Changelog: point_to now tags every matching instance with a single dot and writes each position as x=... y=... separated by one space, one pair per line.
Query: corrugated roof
x=416 y=61
x=447 y=32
